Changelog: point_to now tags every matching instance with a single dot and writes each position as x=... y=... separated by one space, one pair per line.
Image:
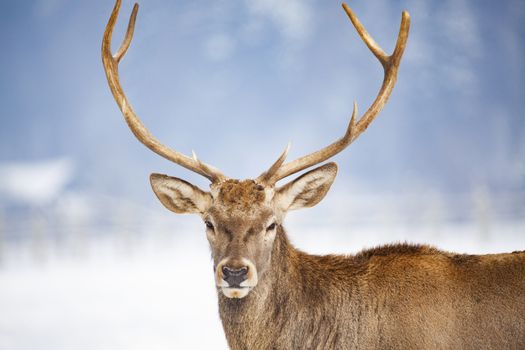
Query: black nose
x=234 y=276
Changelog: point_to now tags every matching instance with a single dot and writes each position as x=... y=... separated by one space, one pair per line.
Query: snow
x=158 y=293
x=155 y=299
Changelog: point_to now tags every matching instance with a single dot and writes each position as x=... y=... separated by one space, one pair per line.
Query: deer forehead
x=241 y=195
x=241 y=205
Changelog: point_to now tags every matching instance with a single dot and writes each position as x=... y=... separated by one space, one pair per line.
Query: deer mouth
x=237 y=286
x=236 y=292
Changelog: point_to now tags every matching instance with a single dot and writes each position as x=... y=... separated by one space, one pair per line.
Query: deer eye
x=271 y=227
x=208 y=224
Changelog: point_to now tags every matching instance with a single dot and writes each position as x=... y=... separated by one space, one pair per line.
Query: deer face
x=241 y=219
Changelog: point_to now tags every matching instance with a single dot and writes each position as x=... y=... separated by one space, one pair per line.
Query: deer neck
x=267 y=300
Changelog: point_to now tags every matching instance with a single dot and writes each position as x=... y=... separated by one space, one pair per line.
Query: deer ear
x=308 y=189
x=178 y=195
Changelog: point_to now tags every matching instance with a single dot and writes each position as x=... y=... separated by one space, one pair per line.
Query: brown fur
x=392 y=297
x=241 y=194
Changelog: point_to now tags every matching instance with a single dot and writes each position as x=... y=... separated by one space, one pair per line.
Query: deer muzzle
x=236 y=278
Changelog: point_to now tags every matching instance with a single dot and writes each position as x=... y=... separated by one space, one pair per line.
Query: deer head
x=243 y=217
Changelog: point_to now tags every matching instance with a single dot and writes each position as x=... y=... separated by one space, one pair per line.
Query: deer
x=272 y=295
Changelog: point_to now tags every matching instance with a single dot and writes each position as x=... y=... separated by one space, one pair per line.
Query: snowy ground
x=158 y=297
x=158 y=293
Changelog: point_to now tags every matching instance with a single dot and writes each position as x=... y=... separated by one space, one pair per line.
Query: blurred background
x=90 y=260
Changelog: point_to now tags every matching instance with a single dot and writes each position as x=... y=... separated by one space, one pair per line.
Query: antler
x=390 y=65
x=139 y=130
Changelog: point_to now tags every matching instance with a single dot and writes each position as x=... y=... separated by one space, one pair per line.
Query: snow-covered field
x=157 y=292
x=158 y=297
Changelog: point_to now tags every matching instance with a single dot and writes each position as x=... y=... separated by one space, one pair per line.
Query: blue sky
x=237 y=80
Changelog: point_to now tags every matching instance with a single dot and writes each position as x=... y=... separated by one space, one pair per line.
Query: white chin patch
x=235 y=293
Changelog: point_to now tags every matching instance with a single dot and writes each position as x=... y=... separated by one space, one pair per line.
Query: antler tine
x=110 y=63
x=129 y=33
x=267 y=175
x=367 y=38
x=390 y=65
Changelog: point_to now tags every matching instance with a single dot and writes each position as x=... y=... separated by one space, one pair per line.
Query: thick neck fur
x=396 y=296
x=288 y=305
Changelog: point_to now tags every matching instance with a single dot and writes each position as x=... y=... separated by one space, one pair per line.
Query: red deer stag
x=273 y=296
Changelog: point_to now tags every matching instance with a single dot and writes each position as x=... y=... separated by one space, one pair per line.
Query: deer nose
x=234 y=276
